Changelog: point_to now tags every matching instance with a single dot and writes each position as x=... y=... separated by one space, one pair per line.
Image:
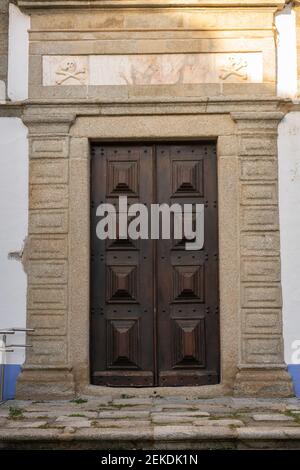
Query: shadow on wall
x=294 y=371
x=11 y=372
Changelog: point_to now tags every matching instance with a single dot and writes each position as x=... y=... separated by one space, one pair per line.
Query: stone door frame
x=57 y=252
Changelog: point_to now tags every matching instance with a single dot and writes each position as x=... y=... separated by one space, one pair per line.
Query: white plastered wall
x=289 y=199
x=289 y=185
x=13 y=223
x=18 y=51
x=14 y=188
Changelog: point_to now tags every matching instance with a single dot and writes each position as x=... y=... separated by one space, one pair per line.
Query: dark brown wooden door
x=122 y=275
x=154 y=305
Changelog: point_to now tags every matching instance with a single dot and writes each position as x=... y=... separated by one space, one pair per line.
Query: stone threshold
x=197 y=392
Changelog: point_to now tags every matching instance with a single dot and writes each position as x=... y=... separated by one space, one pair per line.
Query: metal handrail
x=14 y=330
x=8 y=348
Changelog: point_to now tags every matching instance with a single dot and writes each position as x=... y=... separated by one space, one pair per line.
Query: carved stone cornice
x=241 y=108
x=257 y=116
x=34 y=4
x=258 y=122
x=11 y=109
x=45 y=123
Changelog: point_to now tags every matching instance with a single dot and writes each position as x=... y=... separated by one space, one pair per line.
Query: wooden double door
x=154 y=305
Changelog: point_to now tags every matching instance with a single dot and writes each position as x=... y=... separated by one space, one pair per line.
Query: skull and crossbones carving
x=69 y=70
x=234 y=67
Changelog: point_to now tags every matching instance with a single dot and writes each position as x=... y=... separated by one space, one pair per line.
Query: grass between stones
x=293 y=415
x=98 y=424
x=120 y=406
x=78 y=401
x=15 y=413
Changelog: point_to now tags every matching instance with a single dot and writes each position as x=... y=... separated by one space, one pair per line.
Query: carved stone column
x=262 y=371
x=47 y=372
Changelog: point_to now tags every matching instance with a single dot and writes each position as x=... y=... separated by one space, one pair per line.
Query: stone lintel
x=32 y=4
x=247 y=111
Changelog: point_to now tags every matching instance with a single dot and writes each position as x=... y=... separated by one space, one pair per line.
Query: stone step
x=157 y=437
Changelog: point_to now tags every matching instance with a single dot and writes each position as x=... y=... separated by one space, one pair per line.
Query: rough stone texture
x=129 y=413
x=183 y=414
x=219 y=422
x=254 y=382
x=271 y=417
x=73 y=421
x=69 y=430
x=169 y=419
x=120 y=423
x=229 y=423
x=132 y=402
x=257 y=136
x=27 y=424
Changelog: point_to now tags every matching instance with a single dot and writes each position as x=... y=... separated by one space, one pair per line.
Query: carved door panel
x=154 y=305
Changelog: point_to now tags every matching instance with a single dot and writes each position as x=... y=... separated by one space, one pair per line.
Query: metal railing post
x=8 y=348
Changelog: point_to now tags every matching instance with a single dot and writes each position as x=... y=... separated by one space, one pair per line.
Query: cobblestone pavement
x=151 y=423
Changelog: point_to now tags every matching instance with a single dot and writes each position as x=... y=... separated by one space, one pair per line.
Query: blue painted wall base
x=11 y=372
x=294 y=370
